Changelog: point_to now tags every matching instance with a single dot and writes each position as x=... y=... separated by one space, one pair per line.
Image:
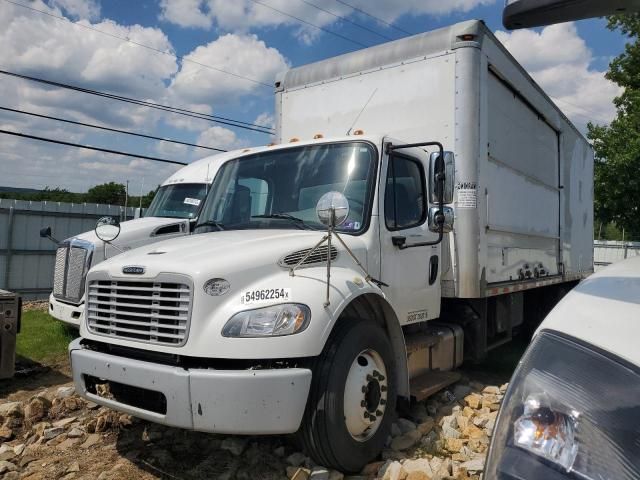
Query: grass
x=43 y=339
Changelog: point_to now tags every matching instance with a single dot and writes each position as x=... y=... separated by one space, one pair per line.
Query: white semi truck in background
x=172 y=213
x=425 y=201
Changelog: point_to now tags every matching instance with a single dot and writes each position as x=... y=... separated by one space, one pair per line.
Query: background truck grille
x=144 y=311
x=72 y=262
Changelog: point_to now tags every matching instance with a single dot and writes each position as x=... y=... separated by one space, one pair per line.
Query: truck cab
x=172 y=213
x=239 y=313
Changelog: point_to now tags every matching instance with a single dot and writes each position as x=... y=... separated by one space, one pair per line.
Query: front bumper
x=255 y=402
x=70 y=314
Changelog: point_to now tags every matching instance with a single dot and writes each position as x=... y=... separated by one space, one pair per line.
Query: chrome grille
x=59 y=271
x=319 y=256
x=72 y=262
x=144 y=311
x=75 y=272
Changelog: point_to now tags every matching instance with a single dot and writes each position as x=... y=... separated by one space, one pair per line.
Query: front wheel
x=352 y=397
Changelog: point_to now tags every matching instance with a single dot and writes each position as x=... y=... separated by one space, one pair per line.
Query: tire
x=324 y=433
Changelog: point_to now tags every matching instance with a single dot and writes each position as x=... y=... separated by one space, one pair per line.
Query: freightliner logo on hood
x=133 y=270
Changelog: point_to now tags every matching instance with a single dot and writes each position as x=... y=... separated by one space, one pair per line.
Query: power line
x=375 y=32
x=326 y=30
x=145 y=103
x=125 y=39
x=125 y=132
x=87 y=147
x=374 y=17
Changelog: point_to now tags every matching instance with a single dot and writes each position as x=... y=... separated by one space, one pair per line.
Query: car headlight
x=571 y=411
x=272 y=321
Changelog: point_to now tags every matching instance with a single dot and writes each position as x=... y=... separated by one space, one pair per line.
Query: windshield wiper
x=285 y=216
x=211 y=223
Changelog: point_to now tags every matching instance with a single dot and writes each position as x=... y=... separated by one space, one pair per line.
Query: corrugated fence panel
x=26 y=260
x=606 y=252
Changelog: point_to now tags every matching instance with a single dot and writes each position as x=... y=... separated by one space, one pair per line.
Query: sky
x=220 y=57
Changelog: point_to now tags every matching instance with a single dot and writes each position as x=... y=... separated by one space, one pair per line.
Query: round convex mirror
x=107 y=229
x=332 y=209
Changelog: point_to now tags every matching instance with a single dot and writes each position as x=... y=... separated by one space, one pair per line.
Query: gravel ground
x=48 y=432
x=51 y=433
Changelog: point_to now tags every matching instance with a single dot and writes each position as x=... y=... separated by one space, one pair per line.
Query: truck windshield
x=177 y=201
x=280 y=188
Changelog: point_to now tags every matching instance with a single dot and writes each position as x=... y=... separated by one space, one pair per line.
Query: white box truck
x=425 y=201
x=172 y=213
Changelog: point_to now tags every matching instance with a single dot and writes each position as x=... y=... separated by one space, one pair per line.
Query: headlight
x=571 y=411
x=272 y=321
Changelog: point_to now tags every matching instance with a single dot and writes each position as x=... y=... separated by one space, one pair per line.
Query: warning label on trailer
x=467 y=195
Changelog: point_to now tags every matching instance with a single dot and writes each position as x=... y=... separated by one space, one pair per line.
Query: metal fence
x=606 y=252
x=26 y=260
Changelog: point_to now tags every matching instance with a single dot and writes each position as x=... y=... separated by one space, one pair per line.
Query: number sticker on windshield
x=265 y=295
x=192 y=201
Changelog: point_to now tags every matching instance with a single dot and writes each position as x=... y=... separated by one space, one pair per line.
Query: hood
x=218 y=253
x=604 y=310
x=132 y=231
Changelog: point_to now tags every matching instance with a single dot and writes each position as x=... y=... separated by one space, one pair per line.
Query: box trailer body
x=425 y=201
x=171 y=215
x=523 y=173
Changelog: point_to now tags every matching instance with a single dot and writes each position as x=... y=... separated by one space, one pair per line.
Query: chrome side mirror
x=447 y=167
x=332 y=209
x=442 y=217
x=107 y=229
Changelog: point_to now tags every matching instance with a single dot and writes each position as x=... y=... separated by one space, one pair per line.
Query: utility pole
x=141 y=192
x=126 y=200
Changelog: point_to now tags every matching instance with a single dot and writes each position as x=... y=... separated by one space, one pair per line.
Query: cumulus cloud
x=243 y=15
x=237 y=53
x=219 y=137
x=265 y=119
x=43 y=46
x=88 y=9
x=581 y=91
x=46 y=47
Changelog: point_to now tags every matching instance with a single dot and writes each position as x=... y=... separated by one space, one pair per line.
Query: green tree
x=617 y=146
x=111 y=193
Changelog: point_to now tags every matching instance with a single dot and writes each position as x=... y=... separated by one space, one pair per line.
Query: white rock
x=75 y=433
x=419 y=465
x=64 y=422
x=319 y=473
x=53 y=432
x=474 y=465
x=449 y=432
x=392 y=471
x=18 y=449
x=64 y=392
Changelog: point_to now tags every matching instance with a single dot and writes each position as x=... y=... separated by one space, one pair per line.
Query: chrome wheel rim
x=365 y=395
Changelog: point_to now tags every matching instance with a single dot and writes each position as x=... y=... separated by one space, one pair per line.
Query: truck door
x=413 y=274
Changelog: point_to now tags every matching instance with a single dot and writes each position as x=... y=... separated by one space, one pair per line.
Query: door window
x=405 y=194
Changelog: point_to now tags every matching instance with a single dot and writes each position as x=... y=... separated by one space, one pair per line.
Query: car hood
x=134 y=230
x=604 y=310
